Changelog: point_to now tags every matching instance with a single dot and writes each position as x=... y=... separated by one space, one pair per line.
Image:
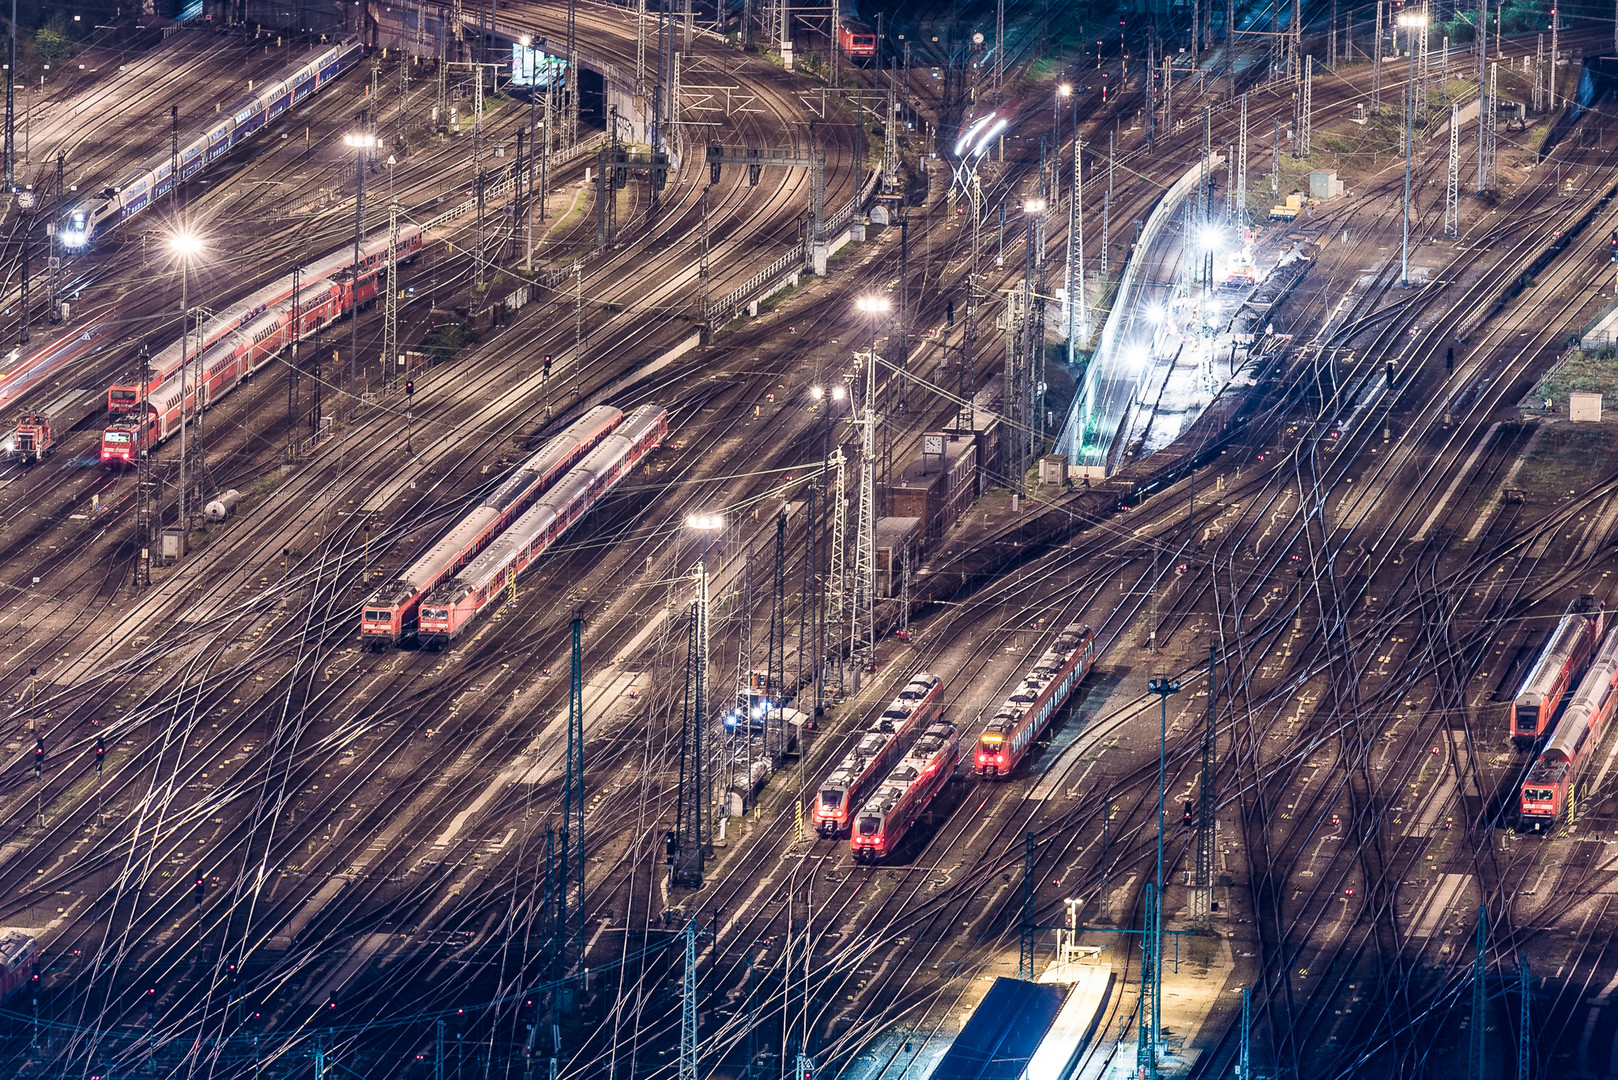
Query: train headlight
x=74 y=238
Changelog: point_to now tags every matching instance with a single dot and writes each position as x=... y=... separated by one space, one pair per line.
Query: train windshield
x=831 y=799
x=117 y=436
x=991 y=741
x=122 y=395
x=1537 y=793
x=870 y=826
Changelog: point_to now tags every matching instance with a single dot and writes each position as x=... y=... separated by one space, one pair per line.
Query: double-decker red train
x=234 y=356
x=127 y=392
x=872 y=758
x=1547 y=793
x=447 y=609
x=389 y=616
x=1027 y=712
x=1560 y=663
x=905 y=795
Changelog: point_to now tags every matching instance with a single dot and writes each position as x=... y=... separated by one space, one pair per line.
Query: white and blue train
x=228 y=128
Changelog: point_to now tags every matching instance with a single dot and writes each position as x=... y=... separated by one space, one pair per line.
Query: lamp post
x=1063 y=93
x=874 y=308
x=361 y=141
x=1411 y=21
x=707 y=525
x=1162 y=686
x=186 y=245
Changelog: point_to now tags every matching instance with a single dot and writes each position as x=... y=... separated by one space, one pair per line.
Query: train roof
x=1558 y=650
x=1594 y=690
x=935 y=740
x=1040 y=676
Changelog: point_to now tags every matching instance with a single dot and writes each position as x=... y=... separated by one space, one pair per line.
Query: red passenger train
x=447 y=609
x=234 y=357
x=1559 y=666
x=880 y=746
x=906 y=794
x=126 y=392
x=1027 y=712
x=389 y=616
x=1548 y=791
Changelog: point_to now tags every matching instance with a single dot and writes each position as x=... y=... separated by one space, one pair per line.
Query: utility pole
x=573 y=797
x=1376 y=64
x=1556 y=30
x=688 y=1006
x=1202 y=895
x=836 y=609
x=144 y=500
x=1025 y=950
x=1452 y=210
x=1539 y=73
x=1106 y=208
x=1241 y=170
x=1308 y=86
x=390 y=304
x=11 y=105
x=1275 y=161
x=1162 y=686
x=1476 y=1063
x=1491 y=132
x=864 y=643
x=293 y=441
x=1525 y=1043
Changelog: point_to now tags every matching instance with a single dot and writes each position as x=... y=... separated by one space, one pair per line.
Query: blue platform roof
x=1003 y=1033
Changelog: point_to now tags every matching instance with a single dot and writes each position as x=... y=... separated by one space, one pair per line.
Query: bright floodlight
x=185 y=244
x=527 y=41
x=1064 y=90
x=1138 y=356
x=873 y=305
x=1412 y=19
x=1156 y=312
x=362 y=139
x=837 y=393
x=705 y=522
x=1212 y=237
x=817 y=392
x=1034 y=206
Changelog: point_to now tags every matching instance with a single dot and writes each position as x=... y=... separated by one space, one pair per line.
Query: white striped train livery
x=880 y=744
x=905 y=795
x=1547 y=793
x=228 y=127
x=1006 y=739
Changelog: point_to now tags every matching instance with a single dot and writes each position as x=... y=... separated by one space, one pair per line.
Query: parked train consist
x=21 y=371
x=227 y=128
x=447 y=609
x=1560 y=664
x=906 y=793
x=856 y=39
x=881 y=743
x=19 y=952
x=234 y=357
x=1547 y=793
x=389 y=616
x=1027 y=712
x=126 y=392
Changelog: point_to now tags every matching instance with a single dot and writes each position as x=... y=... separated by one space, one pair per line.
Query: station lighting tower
x=692 y=829
x=1411 y=21
x=874 y=308
x=361 y=140
x=187 y=246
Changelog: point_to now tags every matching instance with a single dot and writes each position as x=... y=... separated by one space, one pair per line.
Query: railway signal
x=101 y=755
x=410 y=388
x=39 y=757
x=545 y=371
x=198 y=891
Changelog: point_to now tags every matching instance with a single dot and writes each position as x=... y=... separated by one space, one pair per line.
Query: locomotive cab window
x=870 y=826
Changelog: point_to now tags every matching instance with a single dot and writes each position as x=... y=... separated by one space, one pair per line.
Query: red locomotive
x=873 y=757
x=1027 y=712
x=1559 y=666
x=856 y=39
x=906 y=794
x=19 y=952
x=32 y=439
x=1548 y=791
